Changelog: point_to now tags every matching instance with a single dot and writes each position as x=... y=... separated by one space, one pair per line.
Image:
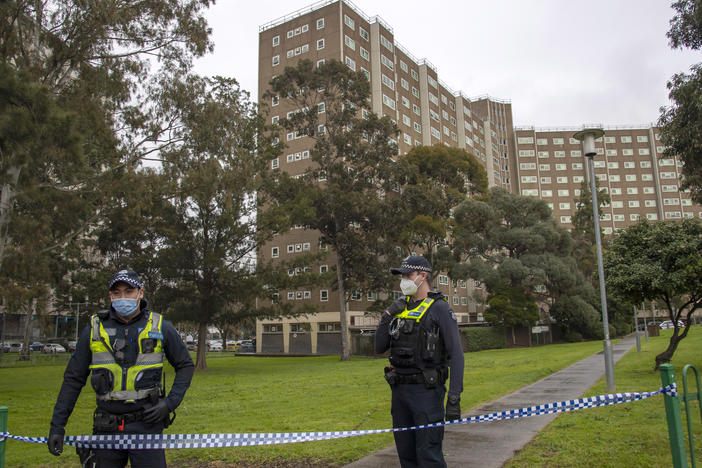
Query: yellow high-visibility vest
x=124 y=378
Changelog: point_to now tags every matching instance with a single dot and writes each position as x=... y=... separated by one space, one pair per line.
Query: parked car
x=16 y=348
x=669 y=324
x=53 y=348
x=71 y=346
x=190 y=345
x=36 y=347
x=247 y=346
x=5 y=347
x=214 y=345
x=234 y=346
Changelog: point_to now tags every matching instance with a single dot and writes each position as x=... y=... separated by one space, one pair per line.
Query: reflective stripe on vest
x=418 y=312
x=102 y=358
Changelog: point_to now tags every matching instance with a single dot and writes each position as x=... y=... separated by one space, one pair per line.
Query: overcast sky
x=560 y=62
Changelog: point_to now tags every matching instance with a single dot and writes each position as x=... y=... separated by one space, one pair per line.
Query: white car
x=669 y=324
x=53 y=348
x=214 y=345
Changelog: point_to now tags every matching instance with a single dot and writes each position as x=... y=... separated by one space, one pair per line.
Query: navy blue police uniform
x=424 y=343
x=132 y=345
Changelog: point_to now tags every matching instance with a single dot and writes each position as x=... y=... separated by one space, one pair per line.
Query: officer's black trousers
x=413 y=405
x=136 y=458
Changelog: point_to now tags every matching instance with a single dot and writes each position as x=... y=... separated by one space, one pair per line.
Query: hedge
x=480 y=338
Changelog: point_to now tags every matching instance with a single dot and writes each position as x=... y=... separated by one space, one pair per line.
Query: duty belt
x=123 y=395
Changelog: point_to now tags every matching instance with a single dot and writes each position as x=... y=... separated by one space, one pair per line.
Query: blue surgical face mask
x=125 y=307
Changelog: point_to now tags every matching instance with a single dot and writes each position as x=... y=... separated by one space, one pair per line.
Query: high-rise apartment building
x=547 y=164
x=427 y=112
x=629 y=165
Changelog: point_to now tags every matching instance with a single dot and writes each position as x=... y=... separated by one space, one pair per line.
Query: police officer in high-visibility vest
x=124 y=349
x=422 y=333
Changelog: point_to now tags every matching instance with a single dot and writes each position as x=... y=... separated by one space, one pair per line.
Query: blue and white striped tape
x=179 y=441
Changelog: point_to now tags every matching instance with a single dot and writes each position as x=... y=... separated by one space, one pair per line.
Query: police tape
x=181 y=441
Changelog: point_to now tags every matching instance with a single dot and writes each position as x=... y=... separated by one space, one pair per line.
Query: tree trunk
x=667 y=355
x=25 y=354
x=201 y=362
x=7 y=198
x=345 y=351
x=514 y=339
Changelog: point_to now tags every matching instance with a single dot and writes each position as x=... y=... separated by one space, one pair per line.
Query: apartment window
x=455 y=300
x=649 y=203
x=528 y=179
x=415 y=92
x=628 y=152
x=350 y=43
x=577 y=166
x=614 y=178
x=561 y=180
x=544 y=167
x=630 y=177
x=403 y=66
x=349 y=22
x=672 y=215
x=364 y=53
x=275 y=100
x=432 y=82
x=611 y=152
x=671 y=201
x=546 y=193
x=290 y=34
x=578 y=179
x=619 y=217
x=648 y=190
x=561 y=167
x=320 y=44
x=558 y=141
x=530 y=192
x=633 y=203
x=274 y=163
x=543 y=154
x=525 y=140
x=564 y=206
x=363 y=33
x=320 y=23
x=386 y=43
x=320 y=63
x=387 y=62
x=276 y=41
x=276 y=60
x=305 y=27
x=644 y=151
x=275 y=252
x=350 y=63
x=527 y=166
x=670 y=188
x=526 y=153
x=406 y=120
x=541 y=141
x=647 y=177
x=606 y=217
x=433 y=99
x=435 y=133
x=642 y=139
x=388 y=102
x=414 y=74
x=387 y=82
x=651 y=216
x=575 y=153
x=565 y=219
x=625 y=139
x=405 y=102
x=366 y=73
x=615 y=191
x=417 y=127
x=645 y=164
x=564 y=193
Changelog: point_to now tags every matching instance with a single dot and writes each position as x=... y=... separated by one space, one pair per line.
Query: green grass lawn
x=628 y=435
x=251 y=394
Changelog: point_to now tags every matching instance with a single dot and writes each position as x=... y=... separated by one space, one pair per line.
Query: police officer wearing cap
x=422 y=333
x=124 y=349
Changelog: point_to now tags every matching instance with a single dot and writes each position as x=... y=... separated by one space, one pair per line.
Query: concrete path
x=492 y=444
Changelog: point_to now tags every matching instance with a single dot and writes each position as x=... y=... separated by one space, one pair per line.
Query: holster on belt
x=108 y=422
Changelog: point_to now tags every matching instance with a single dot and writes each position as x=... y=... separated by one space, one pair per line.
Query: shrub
x=480 y=338
x=573 y=337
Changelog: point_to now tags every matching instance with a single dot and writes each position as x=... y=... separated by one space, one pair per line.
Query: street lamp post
x=78 y=304
x=588 y=136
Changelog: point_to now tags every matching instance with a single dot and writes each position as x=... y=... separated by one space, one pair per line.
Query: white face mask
x=409 y=287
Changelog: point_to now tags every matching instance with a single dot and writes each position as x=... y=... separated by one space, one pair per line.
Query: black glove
x=157 y=412
x=55 y=442
x=397 y=306
x=453 y=407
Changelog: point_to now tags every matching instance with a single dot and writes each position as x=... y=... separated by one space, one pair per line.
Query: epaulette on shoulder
x=437 y=295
